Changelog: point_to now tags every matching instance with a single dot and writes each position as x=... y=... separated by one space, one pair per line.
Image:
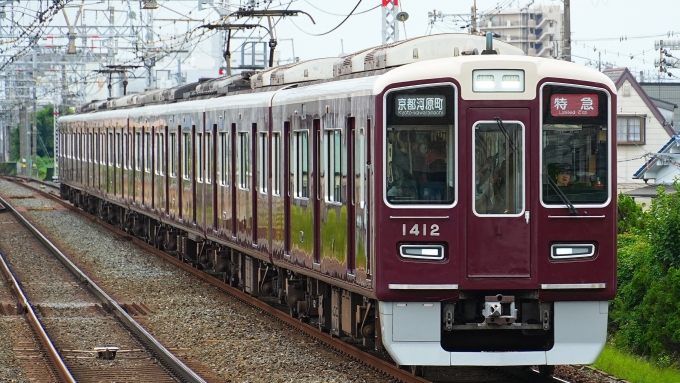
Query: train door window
x=147 y=152
x=421 y=146
x=262 y=161
x=118 y=153
x=498 y=167
x=361 y=164
x=172 y=157
x=199 y=157
x=334 y=171
x=575 y=146
x=223 y=165
x=186 y=150
x=276 y=163
x=301 y=164
x=126 y=160
x=102 y=148
x=244 y=160
x=209 y=152
x=111 y=147
x=138 y=151
x=158 y=155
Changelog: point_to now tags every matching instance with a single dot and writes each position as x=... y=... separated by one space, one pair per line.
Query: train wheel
x=546 y=370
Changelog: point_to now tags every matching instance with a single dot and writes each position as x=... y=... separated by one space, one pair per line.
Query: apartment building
x=537 y=31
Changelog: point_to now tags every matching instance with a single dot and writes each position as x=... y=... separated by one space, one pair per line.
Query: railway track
x=91 y=338
x=386 y=371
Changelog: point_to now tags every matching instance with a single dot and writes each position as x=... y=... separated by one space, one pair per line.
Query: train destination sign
x=574 y=105
x=421 y=106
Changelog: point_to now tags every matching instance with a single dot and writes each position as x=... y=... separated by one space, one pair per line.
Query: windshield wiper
x=560 y=193
x=505 y=132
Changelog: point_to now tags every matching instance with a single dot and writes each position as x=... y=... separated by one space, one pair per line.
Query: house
x=641 y=127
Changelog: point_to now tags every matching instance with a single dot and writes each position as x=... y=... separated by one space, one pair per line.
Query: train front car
x=496 y=209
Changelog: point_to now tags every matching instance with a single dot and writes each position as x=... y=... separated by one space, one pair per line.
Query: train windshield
x=574 y=146
x=420 y=146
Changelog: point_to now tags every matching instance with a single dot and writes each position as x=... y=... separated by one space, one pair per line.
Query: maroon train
x=455 y=208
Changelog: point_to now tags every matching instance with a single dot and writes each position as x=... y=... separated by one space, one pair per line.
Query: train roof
x=535 y=68
x=368 y=62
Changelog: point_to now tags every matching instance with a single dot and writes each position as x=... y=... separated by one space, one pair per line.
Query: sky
x=622 y=32
x=597 y=27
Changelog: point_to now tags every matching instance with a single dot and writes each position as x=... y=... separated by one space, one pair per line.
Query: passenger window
x=276 y=163
x=208 y=157
x=244 y=167
x=263 y=149
x=186 y=149
x=172 y=157
x=334 y=171
x=199 y=157
x=224 y=158
x=301 y=164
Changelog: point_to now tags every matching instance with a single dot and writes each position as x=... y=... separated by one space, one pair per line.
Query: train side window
x=209 y=152
x=276 y=163
x=224 y=159
x=172 y=157
x=186 y=150
x=199 y=157
x=301 y=156
x=244 y=160
x=262 y=161
x=102 y=148
x=147 y=152
x=334 y=171
x=361 y=164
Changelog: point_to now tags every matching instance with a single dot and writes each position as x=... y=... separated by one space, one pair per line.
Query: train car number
x=416 y=229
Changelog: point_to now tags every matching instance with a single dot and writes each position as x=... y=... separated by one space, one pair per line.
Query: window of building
x=301 y=164
x=630 y=130
x=333 y=165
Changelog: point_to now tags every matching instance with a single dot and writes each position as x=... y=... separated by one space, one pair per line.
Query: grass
x=634 y=369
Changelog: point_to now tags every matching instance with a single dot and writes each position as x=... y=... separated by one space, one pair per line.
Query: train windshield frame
x=420 y=146
x=575 y=146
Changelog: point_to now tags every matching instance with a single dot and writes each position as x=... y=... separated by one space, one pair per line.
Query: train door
x=316 y=180
x=498 y=232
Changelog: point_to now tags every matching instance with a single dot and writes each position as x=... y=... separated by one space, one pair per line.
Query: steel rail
x=52 y=354
x=165 y=357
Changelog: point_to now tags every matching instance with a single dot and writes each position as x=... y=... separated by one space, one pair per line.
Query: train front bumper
x=411 y=333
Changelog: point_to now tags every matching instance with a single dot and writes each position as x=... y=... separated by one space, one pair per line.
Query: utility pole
x=474 y=18
x=567 y=31
x=390 y=30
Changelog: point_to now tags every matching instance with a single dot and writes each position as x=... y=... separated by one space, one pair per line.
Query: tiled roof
x=614 y=73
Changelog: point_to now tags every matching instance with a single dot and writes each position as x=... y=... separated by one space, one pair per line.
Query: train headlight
x=572 y=250
x=422 y=251
x=497 y=80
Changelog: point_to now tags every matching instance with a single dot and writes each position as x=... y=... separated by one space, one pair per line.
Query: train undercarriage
x=337 y=311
